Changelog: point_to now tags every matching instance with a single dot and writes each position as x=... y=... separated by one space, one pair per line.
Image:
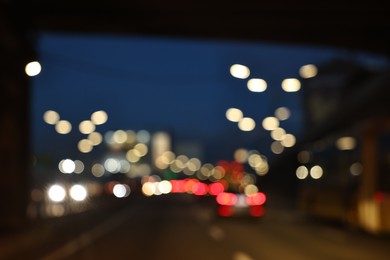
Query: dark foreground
x=183 y=227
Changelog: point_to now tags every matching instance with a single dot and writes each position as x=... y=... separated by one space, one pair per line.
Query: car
x=232 y=204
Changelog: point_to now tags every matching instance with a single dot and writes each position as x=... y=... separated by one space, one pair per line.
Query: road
x=177 y=227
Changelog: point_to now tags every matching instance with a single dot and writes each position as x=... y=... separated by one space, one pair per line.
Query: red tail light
x=226 y=199
x=256 y=199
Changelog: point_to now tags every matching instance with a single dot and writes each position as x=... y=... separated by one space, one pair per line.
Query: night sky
x=178 y=85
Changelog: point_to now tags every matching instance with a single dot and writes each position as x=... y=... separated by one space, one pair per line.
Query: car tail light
x=256 y=199
x=226 y=199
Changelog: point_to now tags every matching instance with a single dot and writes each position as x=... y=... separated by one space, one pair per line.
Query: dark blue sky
x=180 y=85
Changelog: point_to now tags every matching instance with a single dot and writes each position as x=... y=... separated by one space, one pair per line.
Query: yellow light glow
x=234 y=114
x=168 y=157
x=99 y=117
x=241 y=155
x=308 y=71
x=282 y=113
x=194 y=164
x=262 y=169
x=206 y=169
x=277 y=147
x=302 y=172
x=148 y=188
x=218 y=172
x=257 y=85
x=33 y=68
x=246 y=124
x=86 y=127
x=144 y=169
x=131 y=156
x=119 y=136
x=288 y=140
x=51 y=117
x=131 y=137
x=278 y=134
x=255 y=160
x=160 y=164
x=175 y=167
x=239 y=71
x=95 y=138
x=141 y=149
x=346 y=143
x=85 y=146
x=270 y=123
x=248 y=179
x=291 y=85
x=63 y=127
x=250 y=189
x=316 y=172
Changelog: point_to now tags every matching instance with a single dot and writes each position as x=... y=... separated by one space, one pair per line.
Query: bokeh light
x=99 y=117
x=63 y=127
x=85 y=146
x=270 y=123
x=277 y=147
x=304 y=156
x=79 y=166
x=121 y=190
x=33 y=68
x=51 y=117
x=143 y=136
x=96 y=138
x=56 y=193
x=356 y=169
x=316 y=172
x=308 y=71
x=302 y=172
x=86 y=127
x=282 y=113
x=234 y=114
x=241 y=155
x=97 y=170
x=246 y=124
x=288 y=140
x=67 y=166
x=239 y=71
x=257 y=85
x=78 y=192
x=346 y=143
x=291 y=85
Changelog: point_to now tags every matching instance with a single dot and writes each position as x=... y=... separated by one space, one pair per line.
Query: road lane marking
x=217 y=233
x=241 y=256
x=89 y=237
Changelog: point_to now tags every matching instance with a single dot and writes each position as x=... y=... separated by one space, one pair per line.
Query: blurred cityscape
x=112 y=145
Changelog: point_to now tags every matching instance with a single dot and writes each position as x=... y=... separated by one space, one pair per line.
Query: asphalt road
x=178 y=227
